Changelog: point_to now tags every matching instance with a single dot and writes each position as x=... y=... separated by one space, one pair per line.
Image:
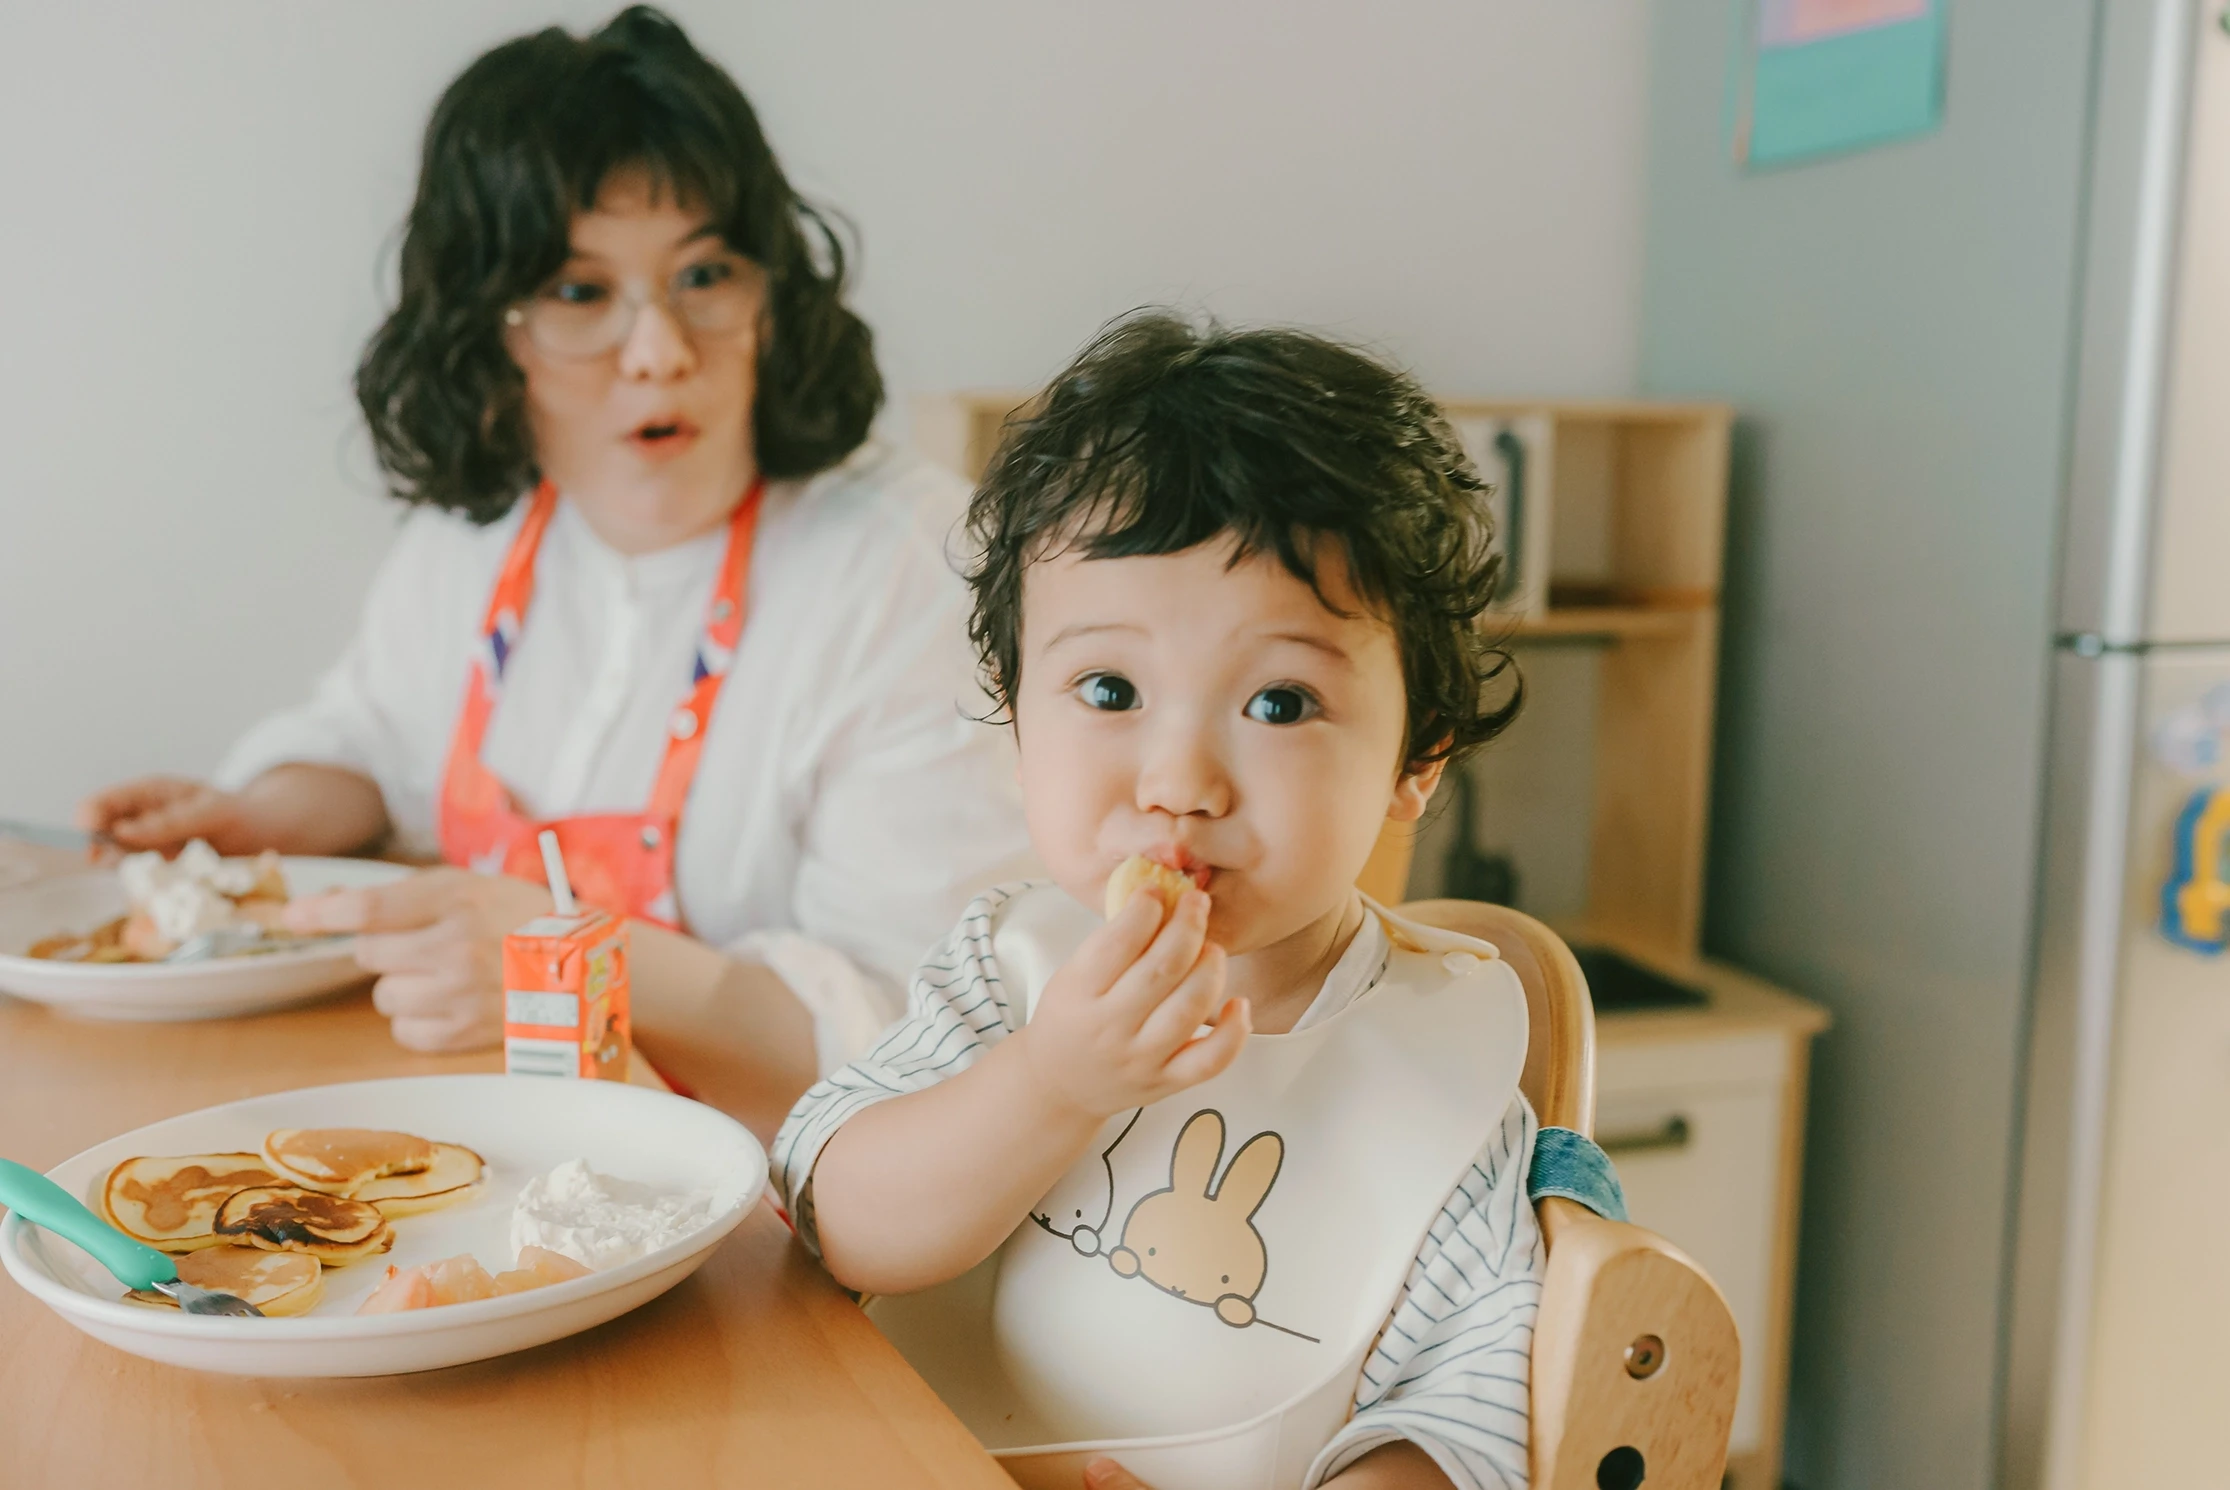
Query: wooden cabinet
x=1592 y=812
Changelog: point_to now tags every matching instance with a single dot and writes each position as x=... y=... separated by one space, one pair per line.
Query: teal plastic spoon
x=42 y=1202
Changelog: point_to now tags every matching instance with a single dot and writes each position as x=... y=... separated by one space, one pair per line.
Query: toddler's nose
x=1184 y=775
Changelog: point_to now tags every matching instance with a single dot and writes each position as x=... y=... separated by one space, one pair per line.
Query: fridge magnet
x=2194 y=741
x=1821 y=77
x=2195 y=903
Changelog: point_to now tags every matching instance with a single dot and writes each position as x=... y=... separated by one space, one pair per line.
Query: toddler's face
x=1211 y=716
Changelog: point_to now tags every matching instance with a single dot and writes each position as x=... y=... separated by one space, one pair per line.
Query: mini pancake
x=453 y=1176
x=1139 y=872
x=340 y=1161
x=287 y=1218
x=172 y=1203
x=278 y=1283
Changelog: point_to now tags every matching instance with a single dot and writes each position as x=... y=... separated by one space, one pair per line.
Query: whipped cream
x=188 y=895
x=601 y=1222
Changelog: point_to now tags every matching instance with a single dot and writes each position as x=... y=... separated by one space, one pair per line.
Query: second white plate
x=220 y=988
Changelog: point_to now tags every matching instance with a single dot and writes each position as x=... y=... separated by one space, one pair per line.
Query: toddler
x=1227 y=1189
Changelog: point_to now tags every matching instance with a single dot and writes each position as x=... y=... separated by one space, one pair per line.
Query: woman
x=620 y=384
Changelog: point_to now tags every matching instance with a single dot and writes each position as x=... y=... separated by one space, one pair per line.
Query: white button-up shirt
x=848 y=802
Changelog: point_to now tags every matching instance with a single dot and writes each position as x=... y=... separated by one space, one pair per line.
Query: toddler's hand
x=1106 y=1474
x=1119 y=1025
x=167 y=813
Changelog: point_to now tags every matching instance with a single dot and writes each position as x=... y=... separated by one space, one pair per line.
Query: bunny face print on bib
x=1196 y=1296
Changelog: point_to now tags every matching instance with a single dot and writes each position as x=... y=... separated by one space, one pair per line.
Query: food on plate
x=174 y=900
x=264 y=1226
x=104 y=943
x=288 y=1218
x=1139 y=872
x=599 y=1221
x=341 y=1161
x=460 y=1279
x=278 y=1283
x=453 y=1175
x=171 y=1203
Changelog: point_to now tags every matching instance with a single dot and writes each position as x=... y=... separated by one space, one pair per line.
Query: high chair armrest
x=1635 y=1361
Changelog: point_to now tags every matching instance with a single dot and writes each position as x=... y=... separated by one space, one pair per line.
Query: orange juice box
x=565 y=998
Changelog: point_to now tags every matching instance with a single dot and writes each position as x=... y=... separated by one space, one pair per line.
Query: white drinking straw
x=553 y=865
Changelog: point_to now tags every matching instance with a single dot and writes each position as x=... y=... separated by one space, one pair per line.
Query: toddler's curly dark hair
x=1162 y=436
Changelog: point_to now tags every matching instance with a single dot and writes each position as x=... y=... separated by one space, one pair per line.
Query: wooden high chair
x=1635 y=1359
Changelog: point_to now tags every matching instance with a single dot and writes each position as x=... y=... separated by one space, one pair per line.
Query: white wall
x=196 y=204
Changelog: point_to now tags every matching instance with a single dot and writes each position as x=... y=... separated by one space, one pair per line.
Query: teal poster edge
x=1834 y=96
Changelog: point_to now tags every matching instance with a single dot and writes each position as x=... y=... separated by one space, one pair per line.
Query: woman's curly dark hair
x=1161 y=437
x=519 y=144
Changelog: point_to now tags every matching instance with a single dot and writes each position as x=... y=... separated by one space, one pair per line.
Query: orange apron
x=622 y=862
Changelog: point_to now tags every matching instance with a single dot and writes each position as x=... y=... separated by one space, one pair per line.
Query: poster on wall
x=1822 y=77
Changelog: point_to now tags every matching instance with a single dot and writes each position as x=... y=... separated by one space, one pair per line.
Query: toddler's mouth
x=1189 y=865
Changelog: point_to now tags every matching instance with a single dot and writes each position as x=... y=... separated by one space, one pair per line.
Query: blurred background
x=1517 y=200
x=203 y=205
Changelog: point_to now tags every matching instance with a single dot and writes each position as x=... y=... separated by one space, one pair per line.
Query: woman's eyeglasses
x=584 y=316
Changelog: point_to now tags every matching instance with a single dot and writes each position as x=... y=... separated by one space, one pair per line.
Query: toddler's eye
x=1110 y=691
x=1281 y=706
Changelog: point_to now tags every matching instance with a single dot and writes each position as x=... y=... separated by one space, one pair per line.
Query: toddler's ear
x=1413 y=789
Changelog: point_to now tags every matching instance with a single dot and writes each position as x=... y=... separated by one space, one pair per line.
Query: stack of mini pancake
x=265 y=1226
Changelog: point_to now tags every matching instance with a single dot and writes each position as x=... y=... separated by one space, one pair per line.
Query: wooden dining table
x=757 y=1370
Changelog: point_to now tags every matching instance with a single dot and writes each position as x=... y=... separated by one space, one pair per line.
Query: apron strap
x=514 y=590
x=467 y=786
x=1573 y=1166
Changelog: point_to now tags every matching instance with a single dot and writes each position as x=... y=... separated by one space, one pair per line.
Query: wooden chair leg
x=1635 y=1361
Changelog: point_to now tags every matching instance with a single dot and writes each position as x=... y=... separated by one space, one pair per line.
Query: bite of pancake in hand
x=289 y=1218
x=171 y=1203
x=278 y=1283
x=1141 y=873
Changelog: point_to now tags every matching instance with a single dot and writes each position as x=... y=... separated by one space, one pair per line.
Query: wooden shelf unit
x=1617 y=515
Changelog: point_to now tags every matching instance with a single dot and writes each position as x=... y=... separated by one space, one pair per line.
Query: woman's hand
x=296 y=808
x=165 y=813
x=1118 y=1025
x=436 y=941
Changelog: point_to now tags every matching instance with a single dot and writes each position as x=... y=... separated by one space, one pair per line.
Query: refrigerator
x=2117 y=1341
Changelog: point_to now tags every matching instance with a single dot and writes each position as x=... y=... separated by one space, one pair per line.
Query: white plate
x=521 y=1125
x=217 y=989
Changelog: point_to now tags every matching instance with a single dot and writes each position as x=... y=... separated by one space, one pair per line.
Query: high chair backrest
x=1559 y=1077
x=1635 y=1359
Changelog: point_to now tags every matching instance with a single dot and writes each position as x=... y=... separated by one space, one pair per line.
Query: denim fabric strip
x=1569 y=1164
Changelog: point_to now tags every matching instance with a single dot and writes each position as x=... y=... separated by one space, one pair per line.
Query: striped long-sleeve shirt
x=1449 y=1371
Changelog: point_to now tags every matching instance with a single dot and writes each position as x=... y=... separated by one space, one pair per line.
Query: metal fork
x=42 y=1202
x=205 y=1300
